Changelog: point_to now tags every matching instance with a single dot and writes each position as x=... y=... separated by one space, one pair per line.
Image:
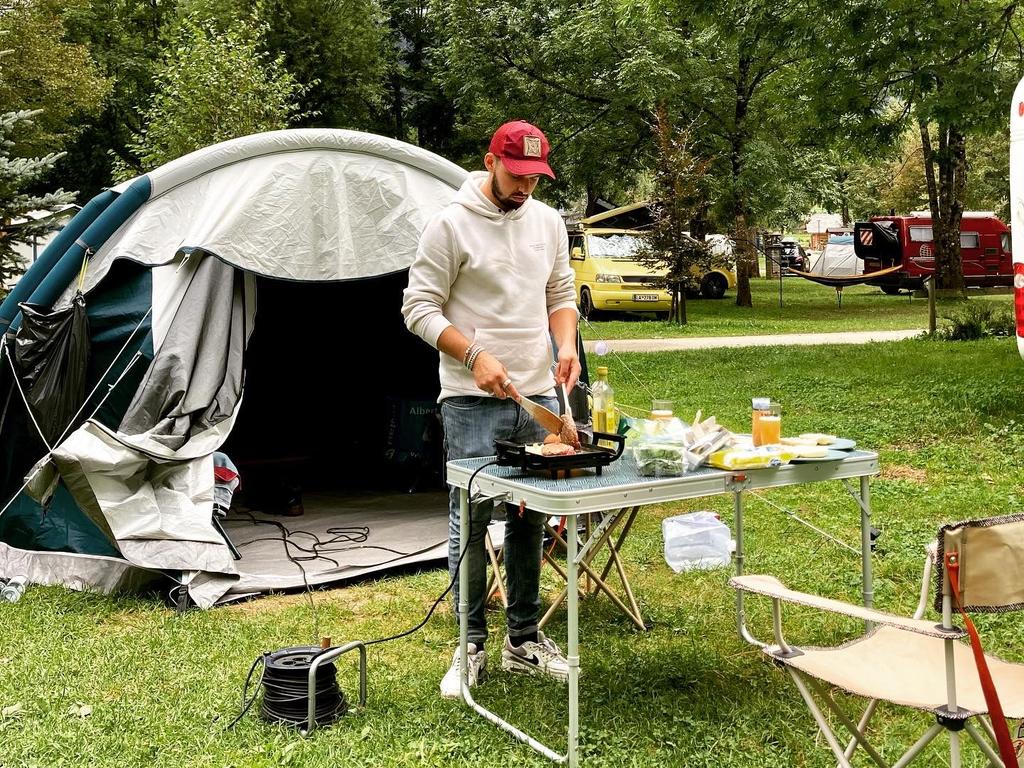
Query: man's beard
x=505 y=203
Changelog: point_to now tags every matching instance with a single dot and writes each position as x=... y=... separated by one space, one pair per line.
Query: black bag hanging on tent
x=52 y=355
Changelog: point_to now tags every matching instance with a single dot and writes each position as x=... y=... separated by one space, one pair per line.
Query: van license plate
x=645 y=297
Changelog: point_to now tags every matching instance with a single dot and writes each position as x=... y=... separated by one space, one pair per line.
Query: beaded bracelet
x=468 y=354
x=472 y=358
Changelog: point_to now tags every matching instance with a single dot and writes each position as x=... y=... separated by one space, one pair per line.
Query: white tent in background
x=838 y=258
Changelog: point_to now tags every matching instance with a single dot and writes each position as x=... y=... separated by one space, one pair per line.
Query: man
x=490 y=281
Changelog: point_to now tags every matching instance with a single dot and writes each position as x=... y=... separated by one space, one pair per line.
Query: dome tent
x=317 y=228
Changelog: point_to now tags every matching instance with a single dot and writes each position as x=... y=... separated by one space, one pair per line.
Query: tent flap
x=52 y=354
x=195 y=381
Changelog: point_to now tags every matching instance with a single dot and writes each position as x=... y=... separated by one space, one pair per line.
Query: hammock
x=842 y=281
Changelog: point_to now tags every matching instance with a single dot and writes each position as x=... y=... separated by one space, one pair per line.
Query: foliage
x=974 y=320
x=988 y=161
x=212 y=85
x=746 y=62
x=681 y=191
x=588 y=73
x=42 y=71
x=894 y=182
x=125 y=38
x=951 y=77
x=17 y=173
x=337 y=48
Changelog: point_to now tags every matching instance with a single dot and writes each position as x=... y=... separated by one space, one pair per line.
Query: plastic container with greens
x=662 y=458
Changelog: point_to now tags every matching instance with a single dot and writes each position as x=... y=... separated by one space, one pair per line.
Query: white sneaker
x=451 y=683
x=542 y=657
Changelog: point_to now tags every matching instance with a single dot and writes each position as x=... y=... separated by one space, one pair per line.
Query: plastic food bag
x=696 y=541
x=663 y=459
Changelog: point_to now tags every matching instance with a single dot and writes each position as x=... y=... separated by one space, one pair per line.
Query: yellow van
x=607 y=278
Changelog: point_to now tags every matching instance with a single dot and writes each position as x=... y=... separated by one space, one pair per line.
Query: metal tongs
x=568 y=433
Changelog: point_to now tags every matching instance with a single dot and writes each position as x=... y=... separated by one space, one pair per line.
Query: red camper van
x=888 y=241
x=1017 y=205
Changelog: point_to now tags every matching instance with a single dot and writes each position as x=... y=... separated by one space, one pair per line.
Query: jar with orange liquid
x=765 y=422
x=771 y=425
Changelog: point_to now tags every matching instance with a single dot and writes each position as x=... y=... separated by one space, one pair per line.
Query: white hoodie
x=496 y=277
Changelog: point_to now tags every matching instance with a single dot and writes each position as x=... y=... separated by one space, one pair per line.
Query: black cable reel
x=299 y=686
x=286 y=688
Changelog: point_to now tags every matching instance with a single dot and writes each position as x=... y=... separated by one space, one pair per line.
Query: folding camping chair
x=914 y=662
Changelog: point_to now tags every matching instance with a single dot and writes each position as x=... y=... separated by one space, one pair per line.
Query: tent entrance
x=339 y=421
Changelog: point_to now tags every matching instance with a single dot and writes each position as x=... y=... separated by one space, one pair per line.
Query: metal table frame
x=620 y=487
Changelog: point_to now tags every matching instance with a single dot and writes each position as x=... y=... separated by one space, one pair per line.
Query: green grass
x=807 y=308
x=944 y=417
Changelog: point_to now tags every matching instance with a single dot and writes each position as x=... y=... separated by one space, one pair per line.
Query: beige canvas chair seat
x=908 y=669
x=914 y=662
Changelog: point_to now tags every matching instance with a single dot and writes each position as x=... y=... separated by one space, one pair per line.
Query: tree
x=125 y=38
x=681 y=189
x=416 y=107
x=17 y=174
x=588 y=73
x=337 y=48
x=212 y=85
x=950 y=76
x=42 y=71
x=746 y=67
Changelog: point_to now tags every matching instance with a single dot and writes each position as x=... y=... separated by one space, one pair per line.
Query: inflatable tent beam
x=9 y=310
x=97 y=233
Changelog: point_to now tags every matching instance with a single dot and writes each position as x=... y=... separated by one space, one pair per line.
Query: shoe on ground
x=451 y=687
x=540 y=658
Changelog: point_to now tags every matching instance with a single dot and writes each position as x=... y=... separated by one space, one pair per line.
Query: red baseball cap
x=523 y=149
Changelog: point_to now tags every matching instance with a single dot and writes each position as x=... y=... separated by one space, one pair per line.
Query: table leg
x=741 y=619
x=464 y=521
x=622 y=537
x=574 y=649
x=865 y=542
x=463 y=609
x=621 y=570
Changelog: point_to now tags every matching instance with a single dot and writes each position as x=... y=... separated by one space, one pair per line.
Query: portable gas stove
x=589 y=456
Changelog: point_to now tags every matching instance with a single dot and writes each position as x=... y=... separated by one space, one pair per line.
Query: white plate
x=842 y=444
x=830 y=455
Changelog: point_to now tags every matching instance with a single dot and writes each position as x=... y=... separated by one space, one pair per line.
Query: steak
x=557 y=449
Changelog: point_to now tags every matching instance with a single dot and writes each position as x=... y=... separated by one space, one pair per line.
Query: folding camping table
x=617 y=492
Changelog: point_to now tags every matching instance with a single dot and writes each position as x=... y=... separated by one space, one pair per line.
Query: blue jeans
x=471 y=425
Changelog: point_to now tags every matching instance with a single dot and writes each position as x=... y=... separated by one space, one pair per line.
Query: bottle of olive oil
x=604 y=415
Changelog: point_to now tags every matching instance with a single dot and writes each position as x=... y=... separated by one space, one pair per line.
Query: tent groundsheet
x=354 y=535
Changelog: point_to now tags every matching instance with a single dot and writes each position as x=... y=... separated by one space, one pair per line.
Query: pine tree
x=16 y=174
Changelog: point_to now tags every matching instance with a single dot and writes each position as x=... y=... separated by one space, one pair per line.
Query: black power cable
x=285 y=675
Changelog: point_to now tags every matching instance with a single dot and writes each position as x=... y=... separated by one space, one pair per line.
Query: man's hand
x=490 y=376
x=568 y=368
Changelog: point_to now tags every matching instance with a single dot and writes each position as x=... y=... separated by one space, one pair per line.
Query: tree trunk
x=745 y=256
x=929 y=168
x=679 y=302
x=946 y=201
x=398 y=107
